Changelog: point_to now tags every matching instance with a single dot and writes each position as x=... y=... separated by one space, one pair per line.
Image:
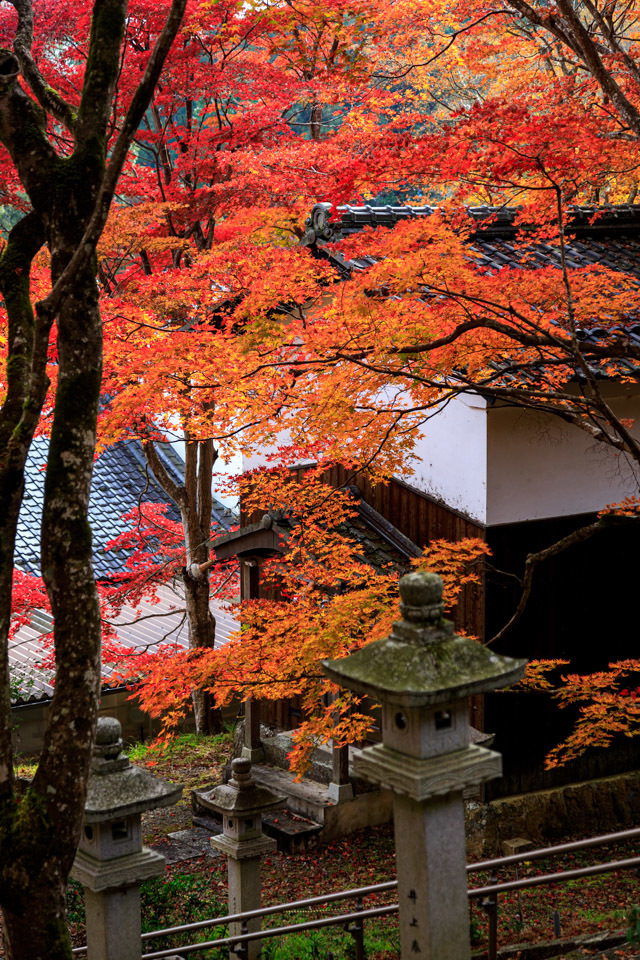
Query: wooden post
x=340 y=788
x=252 y=749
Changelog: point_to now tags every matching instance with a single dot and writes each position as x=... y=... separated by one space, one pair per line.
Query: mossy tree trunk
x=70 y=197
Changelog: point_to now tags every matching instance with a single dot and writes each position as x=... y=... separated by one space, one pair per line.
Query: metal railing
x=353 y=921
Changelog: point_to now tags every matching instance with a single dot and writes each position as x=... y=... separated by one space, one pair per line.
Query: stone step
x=305 y=798
x=310 y=801
x=278 y=747
x=291 y=832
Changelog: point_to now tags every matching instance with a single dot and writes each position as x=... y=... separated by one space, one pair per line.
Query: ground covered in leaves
x=196 y=889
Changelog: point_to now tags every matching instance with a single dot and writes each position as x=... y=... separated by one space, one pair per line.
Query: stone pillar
x=423 y=675
x=111 y=861
x=113 y=922
x=242 y=802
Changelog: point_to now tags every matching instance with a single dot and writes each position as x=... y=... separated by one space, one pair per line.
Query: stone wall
x=550 y=816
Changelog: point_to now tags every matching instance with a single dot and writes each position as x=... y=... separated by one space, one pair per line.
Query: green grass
x=381 y=940
x=25 y=769
x=186 y=747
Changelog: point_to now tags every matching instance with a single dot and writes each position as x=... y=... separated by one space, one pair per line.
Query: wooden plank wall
x=281 y=714
x=422 y=519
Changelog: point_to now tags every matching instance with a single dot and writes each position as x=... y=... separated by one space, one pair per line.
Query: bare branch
x=534 y=560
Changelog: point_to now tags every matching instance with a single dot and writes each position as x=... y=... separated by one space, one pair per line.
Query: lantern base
x=421 y=778
x=99 y=875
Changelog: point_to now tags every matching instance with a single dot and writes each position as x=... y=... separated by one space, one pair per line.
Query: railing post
x=423 y=675
x=241 y=802
x=490 y=906
x=356 y=929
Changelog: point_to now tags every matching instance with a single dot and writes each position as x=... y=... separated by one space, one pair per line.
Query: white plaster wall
x=539 y=467
x=451 y=457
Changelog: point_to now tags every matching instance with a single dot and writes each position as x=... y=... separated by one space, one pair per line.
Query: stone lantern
x=423 y=675
x=241 y=803
x=111 y=862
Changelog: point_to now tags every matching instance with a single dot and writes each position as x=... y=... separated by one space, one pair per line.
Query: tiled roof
x=120 y=481
x=142 y=628
x=379 y=543
x=607 y=236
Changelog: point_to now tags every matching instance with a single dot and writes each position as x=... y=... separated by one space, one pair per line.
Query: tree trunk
x=202 y=634
x=70 y=196
x=45 y=936
x=195 y=500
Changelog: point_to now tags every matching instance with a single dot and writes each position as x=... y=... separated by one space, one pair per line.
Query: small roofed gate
x=405 y=519
x=416 y=516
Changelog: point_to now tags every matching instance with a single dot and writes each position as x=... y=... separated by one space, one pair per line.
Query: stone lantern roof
x=241 y=796
x=117 y=788
x=423 y=662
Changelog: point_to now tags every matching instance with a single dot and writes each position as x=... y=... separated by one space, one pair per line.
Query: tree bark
x=70 y=197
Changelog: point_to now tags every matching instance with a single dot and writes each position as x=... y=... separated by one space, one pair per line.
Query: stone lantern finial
x=421 y=594
x=241 y=773
x=107 y=750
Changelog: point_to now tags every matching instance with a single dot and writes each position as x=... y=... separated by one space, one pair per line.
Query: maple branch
x=453 y=37
x=572 y=32
x=535 y=559
x=133 y=118
x=609 y=33
x=47 y=97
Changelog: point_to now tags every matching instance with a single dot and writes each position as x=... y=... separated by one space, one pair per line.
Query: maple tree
x=473 y=104
x=221 y=325
x=64 y=146
x=540 y=112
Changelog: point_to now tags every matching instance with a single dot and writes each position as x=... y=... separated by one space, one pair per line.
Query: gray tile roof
x=607 y=236
x=120 y=481
x=328 y=224
x=141 y=627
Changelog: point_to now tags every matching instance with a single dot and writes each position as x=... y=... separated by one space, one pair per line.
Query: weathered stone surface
x=117 y=789
x=431 y=777
x=547 y=816
x=422 y=661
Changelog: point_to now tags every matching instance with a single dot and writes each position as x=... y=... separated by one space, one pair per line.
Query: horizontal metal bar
x=274 y=932
x=552 y=851
x=277 y=908
x=556 y=877
x=392 y=884
x=393 y=908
